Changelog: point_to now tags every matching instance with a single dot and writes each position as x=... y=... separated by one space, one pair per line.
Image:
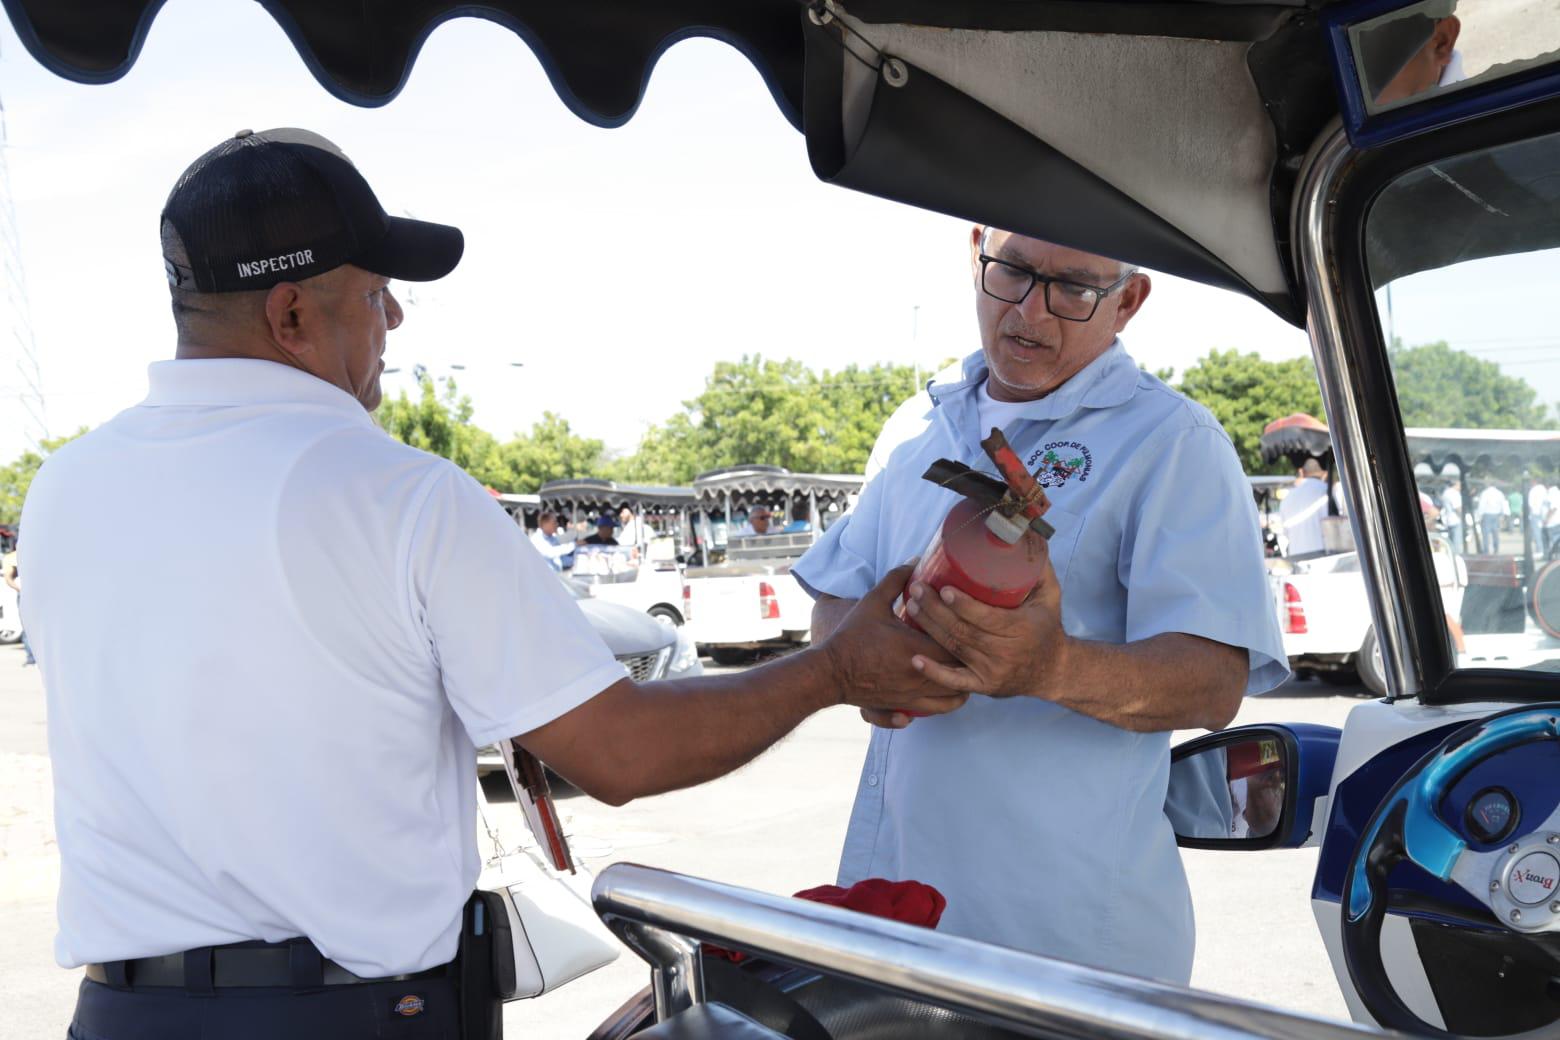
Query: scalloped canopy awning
x=1162 y=133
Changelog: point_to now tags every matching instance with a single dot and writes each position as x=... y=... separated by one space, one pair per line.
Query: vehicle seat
x=709 y=1022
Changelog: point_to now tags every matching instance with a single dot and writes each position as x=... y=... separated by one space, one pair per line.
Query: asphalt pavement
x=775 y=825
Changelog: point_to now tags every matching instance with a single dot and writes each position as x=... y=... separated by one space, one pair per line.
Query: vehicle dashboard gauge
x=1492 y=814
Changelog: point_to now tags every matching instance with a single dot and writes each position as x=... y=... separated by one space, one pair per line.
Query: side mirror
x=1253 y=787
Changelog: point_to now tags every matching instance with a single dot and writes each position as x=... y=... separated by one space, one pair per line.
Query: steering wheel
x=1519 y=882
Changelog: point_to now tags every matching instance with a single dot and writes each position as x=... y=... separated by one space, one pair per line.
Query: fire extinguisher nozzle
x=1021 y=483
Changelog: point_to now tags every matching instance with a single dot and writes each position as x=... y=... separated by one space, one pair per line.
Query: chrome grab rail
x=662 y=916
x=1381 y=560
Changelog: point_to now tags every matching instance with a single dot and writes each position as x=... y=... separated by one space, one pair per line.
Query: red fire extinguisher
x=992 y=545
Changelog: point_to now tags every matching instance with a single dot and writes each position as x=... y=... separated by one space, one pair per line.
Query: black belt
x=295 y=963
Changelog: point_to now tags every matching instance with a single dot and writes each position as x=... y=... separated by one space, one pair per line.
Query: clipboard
x=528 y=778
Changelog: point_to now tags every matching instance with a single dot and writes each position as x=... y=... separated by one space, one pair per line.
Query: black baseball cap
x=284 y=205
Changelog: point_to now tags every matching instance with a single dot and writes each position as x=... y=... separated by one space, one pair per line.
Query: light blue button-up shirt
x=1046 y=828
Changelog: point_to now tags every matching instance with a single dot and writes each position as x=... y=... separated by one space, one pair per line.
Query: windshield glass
x=1464 y=256
x=605 y=564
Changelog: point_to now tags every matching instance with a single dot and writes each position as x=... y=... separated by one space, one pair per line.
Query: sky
x=617 y=266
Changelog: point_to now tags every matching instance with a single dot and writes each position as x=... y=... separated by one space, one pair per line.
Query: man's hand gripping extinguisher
x=992 y=544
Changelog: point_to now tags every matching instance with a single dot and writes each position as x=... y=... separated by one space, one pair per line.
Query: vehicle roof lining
x=1196 y=19
x=1188 y=179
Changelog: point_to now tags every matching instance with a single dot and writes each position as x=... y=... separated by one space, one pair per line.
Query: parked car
x=1324 y=613
x=740 y=606
x=633 y=577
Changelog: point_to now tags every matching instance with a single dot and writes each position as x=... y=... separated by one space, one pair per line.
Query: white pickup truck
x=744 y=598
x=750 y=601
x=638 y=578
x=1325 y=617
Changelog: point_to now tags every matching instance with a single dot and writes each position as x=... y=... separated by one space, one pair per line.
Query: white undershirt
x=1001 y=414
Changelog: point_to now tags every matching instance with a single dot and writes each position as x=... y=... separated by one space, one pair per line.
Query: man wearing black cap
x=268 y=831
x=606 y=523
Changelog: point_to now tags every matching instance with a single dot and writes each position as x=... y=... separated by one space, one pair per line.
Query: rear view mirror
x=1254 y=787
x=1405 y=66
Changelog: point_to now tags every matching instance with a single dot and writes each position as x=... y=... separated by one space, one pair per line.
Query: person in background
x=1492 y=505
x=13 y=578
x=633 y=529
x=757 y=523
x=605 y=525
x=1552 y=517
x=1537 y=507
x=554 y=549
x=1429 y=510
x=799 y=523
x=1452 y=515
x=1302 y=510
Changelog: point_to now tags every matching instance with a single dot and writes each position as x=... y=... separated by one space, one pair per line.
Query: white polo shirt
x=1301 y=511
x=271 y=638
x=1045 y=828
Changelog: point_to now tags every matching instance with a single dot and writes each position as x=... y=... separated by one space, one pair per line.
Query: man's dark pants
x=325 y=1013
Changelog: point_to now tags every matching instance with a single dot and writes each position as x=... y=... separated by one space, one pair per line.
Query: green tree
x=551 y=451
x=1439 y=386
x=671 y=453
x=16 y=478
x=1245 y=393
x=776 y=412
x=440 y=423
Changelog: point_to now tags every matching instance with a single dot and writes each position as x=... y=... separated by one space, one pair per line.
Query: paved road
x=776 y=826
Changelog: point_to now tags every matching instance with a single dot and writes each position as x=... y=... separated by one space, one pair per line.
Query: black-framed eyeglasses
x=1070 y=301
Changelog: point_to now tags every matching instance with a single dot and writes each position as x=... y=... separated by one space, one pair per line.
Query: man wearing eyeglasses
x=1038 y=809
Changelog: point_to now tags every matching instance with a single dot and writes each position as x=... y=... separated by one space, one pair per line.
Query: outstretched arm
x=550 y=551
x=636 y=739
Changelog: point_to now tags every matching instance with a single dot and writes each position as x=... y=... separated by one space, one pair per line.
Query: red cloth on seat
x=907 y=901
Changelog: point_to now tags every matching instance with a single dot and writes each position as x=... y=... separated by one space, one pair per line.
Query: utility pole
x=16 y=335
x=1391 y=325
x=915 y=334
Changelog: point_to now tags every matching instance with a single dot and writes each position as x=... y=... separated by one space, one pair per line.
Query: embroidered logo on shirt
x=408 y=1006
x=1061 y=461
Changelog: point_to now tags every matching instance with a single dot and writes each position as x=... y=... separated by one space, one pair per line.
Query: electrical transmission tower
x=17 y=348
